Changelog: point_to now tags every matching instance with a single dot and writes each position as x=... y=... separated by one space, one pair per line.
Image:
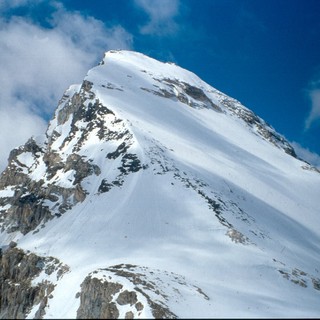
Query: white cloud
x=37 y=64
x=9 y=4
x=314 y=115
x=161 y=15
x=17 y=125
x=306 y=154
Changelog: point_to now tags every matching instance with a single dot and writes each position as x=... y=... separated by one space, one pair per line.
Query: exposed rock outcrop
x=184 y=92
x=44 y=179
x=32 y=199
x=129 y=291
x=20 y=292
x=96 y=299
x=260 y=126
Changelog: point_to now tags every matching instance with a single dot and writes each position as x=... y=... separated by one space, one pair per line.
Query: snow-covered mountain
x=152 y=194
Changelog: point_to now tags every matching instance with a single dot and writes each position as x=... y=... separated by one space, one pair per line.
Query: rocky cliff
x=25 y=282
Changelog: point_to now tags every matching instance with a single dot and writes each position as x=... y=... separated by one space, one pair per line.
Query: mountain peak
x=136 y=71
x=152 y=194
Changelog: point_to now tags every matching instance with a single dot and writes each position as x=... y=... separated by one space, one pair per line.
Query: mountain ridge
x=147 y=170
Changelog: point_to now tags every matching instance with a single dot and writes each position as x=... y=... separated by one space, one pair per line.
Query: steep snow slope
x=148 y=170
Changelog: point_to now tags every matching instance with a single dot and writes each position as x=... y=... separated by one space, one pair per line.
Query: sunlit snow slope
x=164 y=175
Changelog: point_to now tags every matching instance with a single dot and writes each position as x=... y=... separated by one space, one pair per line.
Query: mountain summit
x=154 y=195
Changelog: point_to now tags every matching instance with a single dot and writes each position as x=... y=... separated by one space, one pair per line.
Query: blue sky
x=264 y=53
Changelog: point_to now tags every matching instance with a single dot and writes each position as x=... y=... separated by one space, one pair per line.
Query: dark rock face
x=127 y=297
x=96 y=299
x=26 y=210
x=28 y=205
x=184 y=92
x=17 y=294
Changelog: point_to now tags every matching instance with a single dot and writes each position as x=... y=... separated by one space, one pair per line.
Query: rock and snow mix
x=162 y=197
